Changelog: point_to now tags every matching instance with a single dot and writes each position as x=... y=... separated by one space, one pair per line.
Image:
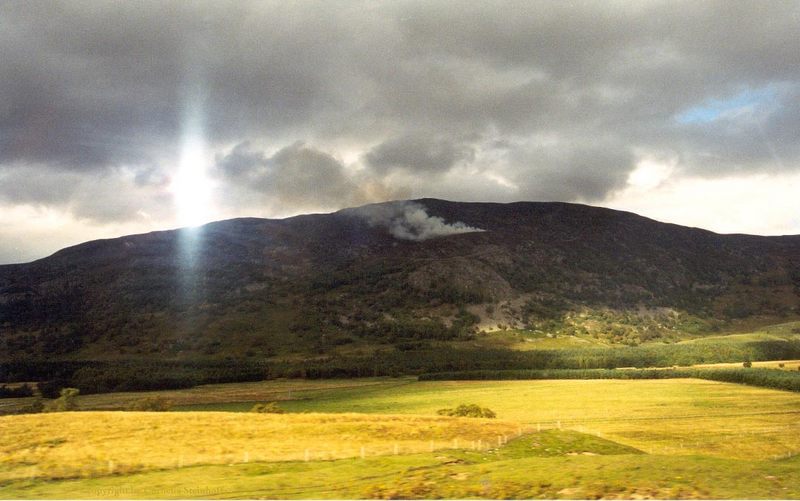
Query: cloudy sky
x=126 y=117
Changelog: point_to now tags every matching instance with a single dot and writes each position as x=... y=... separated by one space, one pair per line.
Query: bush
x=52 y=388
x=68 y=401
x=468 y=410
x=268 y=408
x=155 y=404
x=747 y=364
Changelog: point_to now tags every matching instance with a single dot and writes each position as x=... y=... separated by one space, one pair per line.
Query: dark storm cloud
x=565 y=97
x=571 y=172
x=98 y=84
x=417 y=152
x=299 y=176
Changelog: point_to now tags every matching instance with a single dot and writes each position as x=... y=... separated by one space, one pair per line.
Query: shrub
x=52 y=388
x=155 y=404
x=747 y=364
x=68 y=401
x=268 y=408
x=468 y=410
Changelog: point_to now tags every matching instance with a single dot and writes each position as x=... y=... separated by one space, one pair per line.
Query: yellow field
x=274 y=390
x=64 y=445
x=671 y=416
x=680 y=424
x=787 y=365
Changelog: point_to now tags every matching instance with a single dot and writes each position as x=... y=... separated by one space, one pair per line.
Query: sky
x=128 y=117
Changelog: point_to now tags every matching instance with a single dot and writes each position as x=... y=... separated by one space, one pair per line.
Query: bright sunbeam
x=191 y=187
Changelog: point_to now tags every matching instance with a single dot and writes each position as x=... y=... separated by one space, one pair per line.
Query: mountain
x=395 y=276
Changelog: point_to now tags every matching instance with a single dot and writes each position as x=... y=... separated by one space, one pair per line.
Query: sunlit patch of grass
x=64 y=445
x=787 y=365
x=679 y=416
x=517 y=470
x=675 y=416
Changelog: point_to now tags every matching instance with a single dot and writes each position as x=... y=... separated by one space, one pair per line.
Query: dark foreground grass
x=550 y=464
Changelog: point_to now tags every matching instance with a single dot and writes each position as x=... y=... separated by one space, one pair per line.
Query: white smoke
x=411 y=221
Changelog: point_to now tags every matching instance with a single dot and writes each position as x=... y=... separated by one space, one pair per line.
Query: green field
x=677 y=438
x=588 y=472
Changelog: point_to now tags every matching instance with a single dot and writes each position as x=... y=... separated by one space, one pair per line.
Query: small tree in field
x=268 y=408
x=68 y=401
x=747 y=363
x=468 y=410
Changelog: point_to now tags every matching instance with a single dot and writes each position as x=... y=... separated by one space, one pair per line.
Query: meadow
x=90 y=444
x=674 y=438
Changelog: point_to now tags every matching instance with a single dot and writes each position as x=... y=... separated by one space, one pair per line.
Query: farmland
x=373 y=438
x=58 y=445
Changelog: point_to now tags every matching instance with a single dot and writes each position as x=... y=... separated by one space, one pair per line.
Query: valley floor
x=381 y=438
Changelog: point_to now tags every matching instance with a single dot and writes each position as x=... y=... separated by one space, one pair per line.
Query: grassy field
x=678 y=416
x=549 y=464
x=675 y=438
x=786 y=365
x=219 y=396
x=681 y=416
x=64 y=445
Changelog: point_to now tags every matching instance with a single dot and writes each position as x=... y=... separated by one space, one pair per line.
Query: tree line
x=93 y=376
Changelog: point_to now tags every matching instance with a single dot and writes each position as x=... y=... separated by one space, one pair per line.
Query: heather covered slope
x=388 y=276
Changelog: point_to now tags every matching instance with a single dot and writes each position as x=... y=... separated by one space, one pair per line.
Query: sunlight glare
x=191 y=187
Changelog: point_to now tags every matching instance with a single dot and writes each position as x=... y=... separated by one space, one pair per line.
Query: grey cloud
x=111 y=196
x=242 y=160
x=584 y=172
x=411 y=88
x=29 y=186
x=418 y=152
x=114 y=83
x=300 y=176
x=151 y=176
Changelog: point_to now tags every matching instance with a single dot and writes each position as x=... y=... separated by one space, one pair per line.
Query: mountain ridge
x=390 y=274
x=420 y=200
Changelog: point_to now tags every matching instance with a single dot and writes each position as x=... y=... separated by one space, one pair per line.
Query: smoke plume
x=411 y=221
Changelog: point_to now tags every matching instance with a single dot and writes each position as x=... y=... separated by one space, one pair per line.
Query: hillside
x=394 y=276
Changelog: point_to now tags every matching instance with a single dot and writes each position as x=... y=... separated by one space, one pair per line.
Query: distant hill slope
x=398 y=275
